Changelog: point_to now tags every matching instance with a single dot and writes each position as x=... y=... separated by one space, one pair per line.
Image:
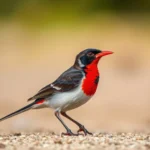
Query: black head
x=87 y=56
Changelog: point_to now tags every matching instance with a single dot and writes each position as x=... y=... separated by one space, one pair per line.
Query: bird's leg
x=81 y=127
x=69 y=132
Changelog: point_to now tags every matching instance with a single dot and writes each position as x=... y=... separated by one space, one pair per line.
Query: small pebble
x=2 y=145
x=17 y=134
x=57 y=141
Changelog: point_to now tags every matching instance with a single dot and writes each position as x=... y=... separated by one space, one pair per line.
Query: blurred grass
x=38 y=13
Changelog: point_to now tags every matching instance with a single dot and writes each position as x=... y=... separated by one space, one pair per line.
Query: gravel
x=49 y=140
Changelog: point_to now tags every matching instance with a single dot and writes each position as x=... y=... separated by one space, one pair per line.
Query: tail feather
x=26 y=108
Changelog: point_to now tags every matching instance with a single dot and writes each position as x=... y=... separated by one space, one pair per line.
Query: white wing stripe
x=55 y=87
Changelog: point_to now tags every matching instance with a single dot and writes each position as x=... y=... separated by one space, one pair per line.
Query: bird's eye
x=90 y=54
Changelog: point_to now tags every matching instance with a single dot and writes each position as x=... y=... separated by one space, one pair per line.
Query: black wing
x=67 y=81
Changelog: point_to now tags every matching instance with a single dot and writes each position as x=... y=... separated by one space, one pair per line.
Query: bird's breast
x=90 y=81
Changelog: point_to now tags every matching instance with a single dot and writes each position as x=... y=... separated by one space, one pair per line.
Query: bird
x=71 y=89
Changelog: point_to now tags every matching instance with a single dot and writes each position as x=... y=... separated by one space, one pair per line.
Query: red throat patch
x=90 y=82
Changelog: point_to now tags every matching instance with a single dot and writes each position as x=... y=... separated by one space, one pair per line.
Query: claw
x=83 y=129
x=70 y=133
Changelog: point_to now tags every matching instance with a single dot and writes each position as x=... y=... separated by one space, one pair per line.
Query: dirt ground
x=52 y=141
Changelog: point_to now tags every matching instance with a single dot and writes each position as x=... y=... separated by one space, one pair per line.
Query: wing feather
x=67 y=81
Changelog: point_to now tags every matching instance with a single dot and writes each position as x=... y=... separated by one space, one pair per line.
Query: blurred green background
x=37 y=13
x=39 y=39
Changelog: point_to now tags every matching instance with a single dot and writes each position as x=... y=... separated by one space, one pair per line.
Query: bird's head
x=90 y=56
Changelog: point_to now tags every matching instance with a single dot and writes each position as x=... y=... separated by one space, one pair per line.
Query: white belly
x=68 y=100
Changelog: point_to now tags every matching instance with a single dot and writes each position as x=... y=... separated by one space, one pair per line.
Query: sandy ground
x=49 y=140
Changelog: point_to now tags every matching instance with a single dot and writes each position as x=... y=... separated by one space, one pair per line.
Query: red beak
x=103 y=53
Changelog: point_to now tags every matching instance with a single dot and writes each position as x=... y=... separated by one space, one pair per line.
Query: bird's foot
x=70 y=133
x=83 y=129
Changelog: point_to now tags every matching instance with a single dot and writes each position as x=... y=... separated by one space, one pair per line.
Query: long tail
x=28 y=107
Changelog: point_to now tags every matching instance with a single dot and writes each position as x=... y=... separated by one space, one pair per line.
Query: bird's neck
x=91 y=80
